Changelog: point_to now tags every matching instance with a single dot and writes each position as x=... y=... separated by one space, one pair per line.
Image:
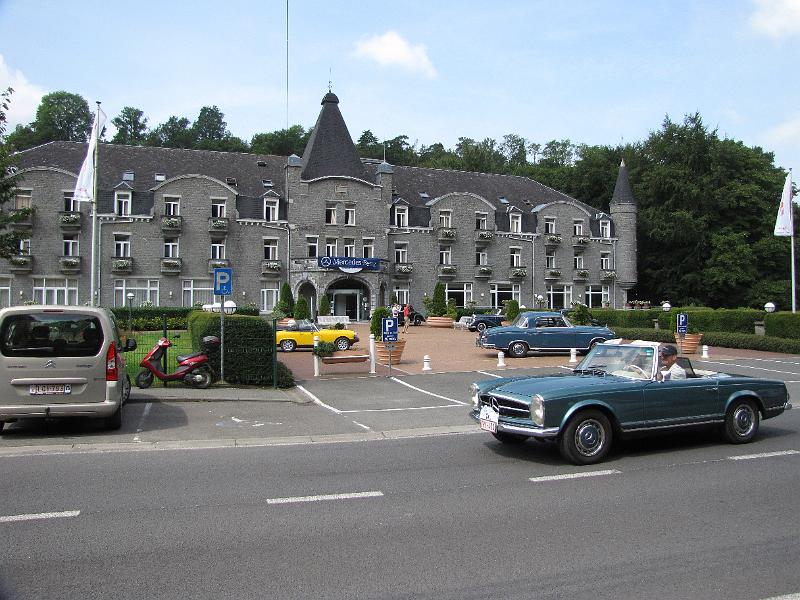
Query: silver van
x=62 y=361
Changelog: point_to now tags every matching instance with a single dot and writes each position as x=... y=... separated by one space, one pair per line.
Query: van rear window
x=47 y=335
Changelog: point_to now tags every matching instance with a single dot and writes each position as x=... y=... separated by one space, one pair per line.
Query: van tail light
x=112 y=372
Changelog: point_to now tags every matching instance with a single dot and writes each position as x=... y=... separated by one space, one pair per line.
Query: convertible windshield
x=521 y=321
x=635 y=362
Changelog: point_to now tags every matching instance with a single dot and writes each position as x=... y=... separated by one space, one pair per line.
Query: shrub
x=512 y=310
x=375 y=323
x=249 y=348
x=323 y=349
x=301 y=309
x=782 y=324
x=436 y=305
x=324 y=305
x=285 y=301
x=452 y=311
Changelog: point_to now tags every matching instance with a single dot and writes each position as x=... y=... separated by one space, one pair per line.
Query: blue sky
x=594 y=72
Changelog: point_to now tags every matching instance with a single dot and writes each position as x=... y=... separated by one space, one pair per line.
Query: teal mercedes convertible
x=615 y=391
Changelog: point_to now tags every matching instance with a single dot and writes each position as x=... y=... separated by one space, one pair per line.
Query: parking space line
x=401 y=409
x=427 y=392
x=489 y=374
x=324 y=497
x=362 y=425
x=38 y=516
x=316 y=400
x=726 y=364
x=140 y=426
x=764 y=455
x=575 y=475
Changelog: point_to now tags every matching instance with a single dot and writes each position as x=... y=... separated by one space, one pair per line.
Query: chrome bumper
x=532 y=431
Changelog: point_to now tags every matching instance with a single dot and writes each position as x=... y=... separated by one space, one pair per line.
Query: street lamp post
x=769 y=307
x=130 y=296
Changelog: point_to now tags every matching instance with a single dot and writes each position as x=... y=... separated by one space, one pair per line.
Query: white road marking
x=489 y=374
x=323 y=498
x=395 y=379
x=764 y=455
x=140 y=426
x=318 y=401
x=786 y=597
x=711 y=362
x=368 y=410
x=360 y=425
x=38 y=516
x=575 y=475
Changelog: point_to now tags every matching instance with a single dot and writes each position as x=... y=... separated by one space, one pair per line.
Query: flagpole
x=791 y=208
x=93 y=295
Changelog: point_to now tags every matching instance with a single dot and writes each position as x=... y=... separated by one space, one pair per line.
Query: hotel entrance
x=350 y=298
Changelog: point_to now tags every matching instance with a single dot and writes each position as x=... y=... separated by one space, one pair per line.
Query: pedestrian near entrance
x=395 y=311
x=406 y=319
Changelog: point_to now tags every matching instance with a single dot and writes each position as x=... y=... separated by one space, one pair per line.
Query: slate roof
x=330 y=150
x=623 y=194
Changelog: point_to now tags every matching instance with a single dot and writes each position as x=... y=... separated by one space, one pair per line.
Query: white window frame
x=577 y=261
x=368 y=248
x=445 y=254
x=5 y=293
x=23 y=198
x=144 y=290
x=559 y=290
x=122 y=203
x=171 y=248
x=550 y=260
x=269 y=298
x=481 y=257
x=445 y=219
x=349 y=216
x=312 y=246
x=458 y=289
x=550 y=225
x=217 y=251
x=349 y=247
x=515 y=223
x=481 y=221
x=172 y=206
x=401 y=252
x=70 y=204
x=270 y=210
x=402 y=295
x=270 y=248
x=605 y=261
x=401 y=216
x=515 y=256
x=122 y=245
x=577 y=227
x=55 y=290
x=194 y=293
x=330 y=214
x=72 y=245
x=219 y=208
x=331 y=247
x=24 y=247
x=605 y=229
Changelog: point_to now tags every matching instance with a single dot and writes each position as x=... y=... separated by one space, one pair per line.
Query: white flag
x=84 y=187
x=784 y=224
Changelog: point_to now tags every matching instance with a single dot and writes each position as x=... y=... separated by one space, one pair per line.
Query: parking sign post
x=682 y=330
x=389 y=336
x=223 y=286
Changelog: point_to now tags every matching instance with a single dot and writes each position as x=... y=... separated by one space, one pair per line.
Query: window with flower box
x=550 y=260
x=172 y=206
x=577 y=261
x=71 y=245
x=481 y=219
x=401 y=252
x=577 y=227
x=70 y=204
x=350 y=216
x=122 y=245
x=605 y=260
x=270 y=249
x=445 y=255
x=550 y=225
x=218 y=251
x=481 y=257
x=515 y=256
x=171 y=248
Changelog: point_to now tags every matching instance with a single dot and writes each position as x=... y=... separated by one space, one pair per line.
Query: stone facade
x=167 y=217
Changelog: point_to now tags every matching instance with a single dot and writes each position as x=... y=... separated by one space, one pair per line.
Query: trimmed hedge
x=151 y=318
x=782 y=324
x=249 y=351
x=701 y=320
x=745 y=341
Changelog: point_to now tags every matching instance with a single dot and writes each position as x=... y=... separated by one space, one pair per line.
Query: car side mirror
x=130 y=344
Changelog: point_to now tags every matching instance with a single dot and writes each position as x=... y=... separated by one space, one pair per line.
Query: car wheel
x=205 y=379
x=144 y=379
x=418 y=320
x=342 y=343
x=288 y=345
x=114 y=422
x=126 y=392
x=587 y=438
x=509 y=438
x=518 y=350
x=481 y=326
x=741 y=422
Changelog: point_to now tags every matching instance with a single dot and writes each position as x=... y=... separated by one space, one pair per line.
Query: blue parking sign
x=389 y=329
x=223 y=281
x=683 y=323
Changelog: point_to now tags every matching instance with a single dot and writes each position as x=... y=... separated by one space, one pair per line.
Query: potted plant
x=376 y=329
x=689 y=341
x=437 y=308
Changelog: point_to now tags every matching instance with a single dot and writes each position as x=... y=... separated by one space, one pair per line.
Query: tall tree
x=9 y=240
x=62 y=116
x=131 y=127
x=283 y=142
x=210 y=129
x=175 y=132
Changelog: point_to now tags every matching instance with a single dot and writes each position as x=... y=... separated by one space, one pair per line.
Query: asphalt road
x=343 y=512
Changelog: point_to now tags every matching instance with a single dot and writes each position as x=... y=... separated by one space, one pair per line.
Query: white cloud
x=788 y=131
x=391 y=49
x=776 y=18
x=25 y=99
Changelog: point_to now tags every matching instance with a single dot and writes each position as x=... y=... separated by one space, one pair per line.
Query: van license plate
x=52 y=389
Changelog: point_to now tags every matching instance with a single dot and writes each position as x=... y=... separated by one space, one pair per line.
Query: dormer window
x=231 y=181
x=401 y=216
x=267 y=183
x=161 y=177
x=605 y=229
x=270 y=209
x=122 y=204
x=515 y=223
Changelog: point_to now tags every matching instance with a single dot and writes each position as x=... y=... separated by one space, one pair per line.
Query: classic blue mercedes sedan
x=616 y=391
x=540 y=331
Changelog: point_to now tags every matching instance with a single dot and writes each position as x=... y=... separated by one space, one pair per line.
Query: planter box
x=396 y=354
x=444 y=322
x=689 y=344
x=344 y=359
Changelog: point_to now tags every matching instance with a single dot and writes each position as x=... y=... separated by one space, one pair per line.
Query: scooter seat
x=182 y=357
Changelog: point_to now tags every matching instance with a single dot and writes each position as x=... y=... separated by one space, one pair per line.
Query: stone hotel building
x=167 y=217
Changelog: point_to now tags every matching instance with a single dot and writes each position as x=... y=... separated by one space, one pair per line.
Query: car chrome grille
x=507 y=407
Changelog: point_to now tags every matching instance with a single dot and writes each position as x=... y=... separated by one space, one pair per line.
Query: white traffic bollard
x=573 y=355
x=501 y=360
x=705 y=351
x=426 y=363
x=316 y=358
x=372 y=354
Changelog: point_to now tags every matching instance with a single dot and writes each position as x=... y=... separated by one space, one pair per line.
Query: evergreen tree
x=9 y=240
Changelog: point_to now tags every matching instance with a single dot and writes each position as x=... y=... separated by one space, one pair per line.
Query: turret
x=624 y=215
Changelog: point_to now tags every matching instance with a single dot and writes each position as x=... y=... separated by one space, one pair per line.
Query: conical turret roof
x=623 y=194
x=330 y=150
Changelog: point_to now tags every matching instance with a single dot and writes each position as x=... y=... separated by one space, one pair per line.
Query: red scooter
x=193 y=369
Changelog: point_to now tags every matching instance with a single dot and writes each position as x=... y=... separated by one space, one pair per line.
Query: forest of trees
x=707 y=204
